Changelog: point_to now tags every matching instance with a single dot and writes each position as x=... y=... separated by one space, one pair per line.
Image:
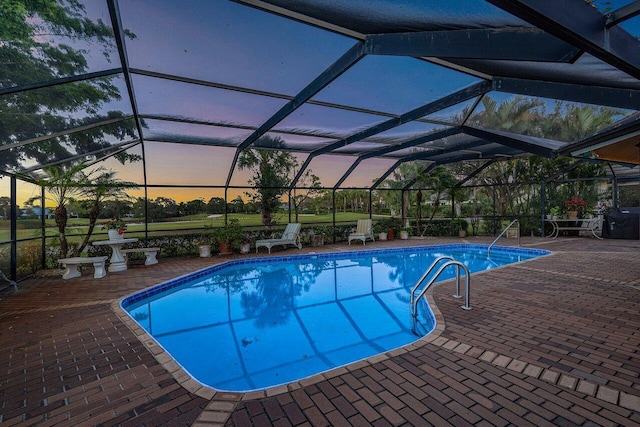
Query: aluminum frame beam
x=414 y=142
x=476 y=172
x=511 y=140
x=415 y=179
x=583 y=26
x=472 y=91
x=346 y=61
x=65 y=132
x=60 y=81
x=624 y=13
x=511 y=44
x=118 y=33
x=588 y=94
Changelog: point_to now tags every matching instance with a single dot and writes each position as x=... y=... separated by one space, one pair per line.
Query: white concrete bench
x=71 y=266
x=151 y=254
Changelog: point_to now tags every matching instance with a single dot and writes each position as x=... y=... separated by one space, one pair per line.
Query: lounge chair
x=364 y=231
x=10 y=282
x=290 y=236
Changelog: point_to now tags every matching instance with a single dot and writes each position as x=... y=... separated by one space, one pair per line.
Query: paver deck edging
x=223 y=403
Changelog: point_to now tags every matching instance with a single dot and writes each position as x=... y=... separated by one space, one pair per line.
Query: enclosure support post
x=453 y=214
x=370 y=203
x=495 y=213
x=333 y=198
x=226 y=189
x=543 y=210
x=403 y=207
x=43 y=248
x=14 y=228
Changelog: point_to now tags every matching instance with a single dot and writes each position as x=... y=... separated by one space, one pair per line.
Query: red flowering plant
x=575 y=204
x=115 y=224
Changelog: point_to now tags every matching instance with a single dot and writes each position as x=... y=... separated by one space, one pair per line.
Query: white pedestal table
x=117 y=261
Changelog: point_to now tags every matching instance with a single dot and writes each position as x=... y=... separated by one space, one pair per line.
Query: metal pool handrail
x=504 y=231
x=414 y=300
x=424 y=276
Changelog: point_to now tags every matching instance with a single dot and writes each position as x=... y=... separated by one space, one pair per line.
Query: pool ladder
x=444 y=262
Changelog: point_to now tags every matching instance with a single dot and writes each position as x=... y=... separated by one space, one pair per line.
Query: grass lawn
x=77 y=228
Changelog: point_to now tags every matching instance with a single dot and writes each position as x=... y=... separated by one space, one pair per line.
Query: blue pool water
x=256 y=323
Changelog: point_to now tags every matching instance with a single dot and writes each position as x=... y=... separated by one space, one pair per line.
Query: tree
x=215 y=205
x=271 y=170
x=105 y=186
x=27 y=56
x=400 y=178
x=236 y=205
x=529 y=116
x=5 y=204
x=518 y=114
x=436 y=182
x=96 y=186
x=576 y=122
x=194 y=207
x=166 y=208
x=62 y=183
x=323 y=202
x=312 y=184
x=116 y=208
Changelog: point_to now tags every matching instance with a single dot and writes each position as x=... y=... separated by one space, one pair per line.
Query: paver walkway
x=553 y=341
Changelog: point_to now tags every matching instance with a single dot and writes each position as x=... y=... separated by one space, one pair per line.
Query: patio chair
x=364 y=231
x=10 y=282
x=290 y=236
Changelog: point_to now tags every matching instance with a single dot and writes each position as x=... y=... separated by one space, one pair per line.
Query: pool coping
x=222 y=404
x=185 y=379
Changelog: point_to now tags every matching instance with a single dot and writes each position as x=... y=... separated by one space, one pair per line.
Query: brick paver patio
x=552 y=341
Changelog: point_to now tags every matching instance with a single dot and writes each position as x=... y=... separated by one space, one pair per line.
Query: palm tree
x=61 y=185
x=105 y=187
x=517 y=114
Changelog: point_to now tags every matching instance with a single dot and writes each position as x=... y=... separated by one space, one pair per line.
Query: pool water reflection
x=258 y=323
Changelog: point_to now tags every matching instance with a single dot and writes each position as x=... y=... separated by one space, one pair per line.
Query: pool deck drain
x=552 y=341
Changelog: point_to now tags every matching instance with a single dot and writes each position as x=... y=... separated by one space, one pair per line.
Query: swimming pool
x=260 y=322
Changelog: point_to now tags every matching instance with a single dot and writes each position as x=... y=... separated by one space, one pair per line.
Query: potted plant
x=475 y=224
x=386 y=228
x=380 y=230
x=245 y=246
x=115 y=228
x=462 y=227
x=229 y=236
x=391 y=231
x=204 y=242
x=575 y=206
x=204 y=250
x=321 y=234
x=405 y=232
x=555 y=212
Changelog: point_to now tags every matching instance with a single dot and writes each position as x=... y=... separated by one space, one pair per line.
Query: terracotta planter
x=572 y=214
x=391 y=234
x=225 y=247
